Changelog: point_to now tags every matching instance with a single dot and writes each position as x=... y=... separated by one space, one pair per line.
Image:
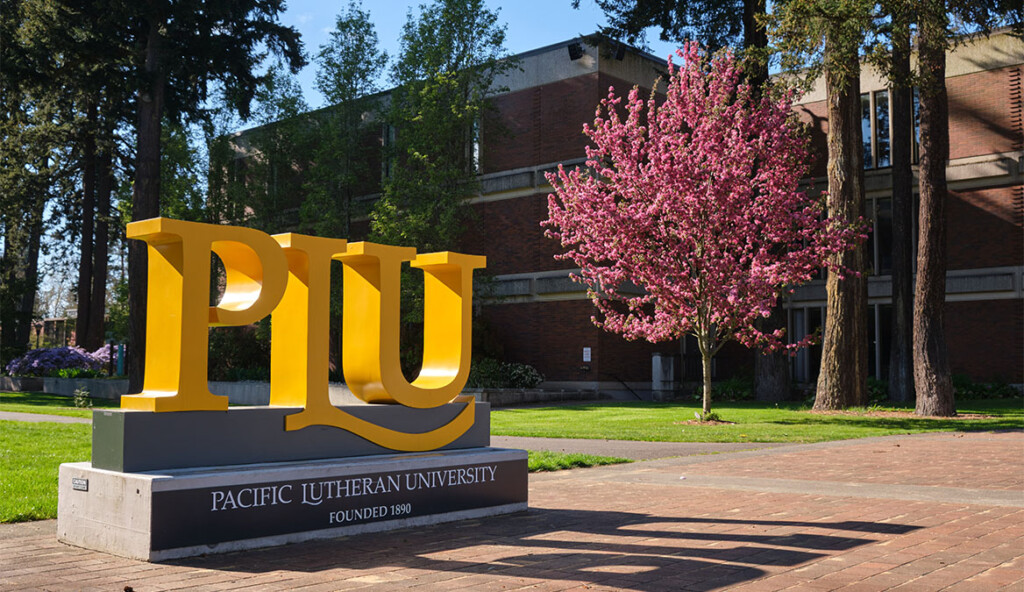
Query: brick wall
x=539 y=125
x=508 y=232
x=985 y=339
x=984 y=228
x=547 y=335
x=980 y=113
x=981 y=117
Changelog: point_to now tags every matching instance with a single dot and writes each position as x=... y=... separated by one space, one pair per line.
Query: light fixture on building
x=575 y=51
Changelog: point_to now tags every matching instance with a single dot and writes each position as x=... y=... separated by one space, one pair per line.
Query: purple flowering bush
x=102 y=355
x=49 y=361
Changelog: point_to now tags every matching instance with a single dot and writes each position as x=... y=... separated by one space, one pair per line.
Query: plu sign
x=288 y=277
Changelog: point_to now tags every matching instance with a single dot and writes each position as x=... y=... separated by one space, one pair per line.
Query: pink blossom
x=696 y=201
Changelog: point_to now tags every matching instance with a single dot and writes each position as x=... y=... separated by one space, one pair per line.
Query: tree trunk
x=771 y=369
x=931 y=365
x=145 y=201
x=755 y=42
x=705 y=358
x=707 y=352
x=97 y=312
x=86 y=243
x=901 y=366
x=19 y=276
x=842 y=379
x=27 y=306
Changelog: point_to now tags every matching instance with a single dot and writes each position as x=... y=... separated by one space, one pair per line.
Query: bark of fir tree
x=901 y=360
x=88 y=211
x=932 y=380
x=771 y=369
x=27 y=306
x=842 y=379
x=19 y=275
x=145 y=202
x=755 y=38
x=104 y=188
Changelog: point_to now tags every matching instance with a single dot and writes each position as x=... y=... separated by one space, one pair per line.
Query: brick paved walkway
x=924 y=512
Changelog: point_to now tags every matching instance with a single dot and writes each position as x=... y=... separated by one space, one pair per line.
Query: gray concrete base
x=136 y=441
x=186 y=512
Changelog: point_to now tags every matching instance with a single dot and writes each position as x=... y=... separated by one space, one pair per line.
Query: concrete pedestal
x=175 y=513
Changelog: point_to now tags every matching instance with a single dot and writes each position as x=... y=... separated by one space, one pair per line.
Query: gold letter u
x=371 y=322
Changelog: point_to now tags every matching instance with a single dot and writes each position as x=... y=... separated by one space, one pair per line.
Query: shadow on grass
x=38 y=399
x=612 y=549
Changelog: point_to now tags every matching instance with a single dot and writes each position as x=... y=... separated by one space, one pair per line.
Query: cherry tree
x=696 y=201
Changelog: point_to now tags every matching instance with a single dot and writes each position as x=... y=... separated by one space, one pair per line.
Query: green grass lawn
x=30 y=453
x=753 y=422
x=542 y=460
x=36 y=402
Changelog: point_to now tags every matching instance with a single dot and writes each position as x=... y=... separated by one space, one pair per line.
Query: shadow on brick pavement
x=764 y=520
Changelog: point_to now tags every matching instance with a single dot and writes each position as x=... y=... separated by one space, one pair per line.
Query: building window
x=807 y=361
x=879 y=243
x=874 y=125
x=876 y=128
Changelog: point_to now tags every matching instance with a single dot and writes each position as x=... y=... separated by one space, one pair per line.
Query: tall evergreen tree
x=829 y=35
x=936 y=35
x=452 y=52
x=341 y=168
x=715 y=24
x=179 y=48
x=901 y=375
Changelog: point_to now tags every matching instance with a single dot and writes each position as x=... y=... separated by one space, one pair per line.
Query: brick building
x=984 y=306
x=535 y=314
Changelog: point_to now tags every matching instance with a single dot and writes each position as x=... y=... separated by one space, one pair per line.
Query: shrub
x=491 y=373
x=878 y=390
x=82 y=399
x=965 y=388
x=76 y=373
x=50 y=361
x=736 y=388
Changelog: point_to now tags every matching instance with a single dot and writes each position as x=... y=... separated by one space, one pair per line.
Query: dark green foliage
x=878 y=391
x=716 y=24
x=491 y=373
x=736 y=388
x=240 y=353
x=344 y=157
x=451 y=55
x=966 y=388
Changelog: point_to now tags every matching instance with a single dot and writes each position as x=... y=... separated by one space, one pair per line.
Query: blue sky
x=530 y=24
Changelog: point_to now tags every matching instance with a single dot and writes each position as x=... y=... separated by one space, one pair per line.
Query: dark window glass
x=916 y=102
x=814 y=322
x=885 y=339
x=797 y=330
x=883 y=238
x=872 y=345
x=869 y=246
x=882 y=156
x=865 y=128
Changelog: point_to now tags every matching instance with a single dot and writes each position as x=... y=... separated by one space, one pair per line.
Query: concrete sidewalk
x=925 y=512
